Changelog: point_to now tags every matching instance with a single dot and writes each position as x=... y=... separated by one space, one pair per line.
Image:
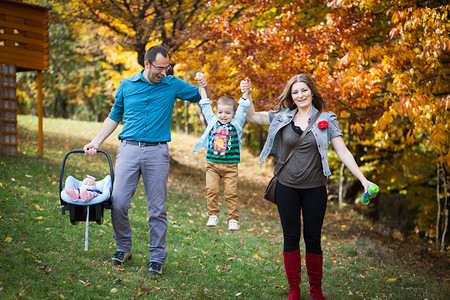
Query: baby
x=86 y=192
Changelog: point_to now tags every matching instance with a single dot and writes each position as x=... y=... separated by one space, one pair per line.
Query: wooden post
x=40 y=114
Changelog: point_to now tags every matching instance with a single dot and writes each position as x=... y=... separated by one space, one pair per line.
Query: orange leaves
x=409 y=137
x=382 y=63
x=356 y=127
x=395 y=30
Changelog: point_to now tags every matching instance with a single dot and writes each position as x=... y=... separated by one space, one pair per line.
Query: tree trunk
x=96 y=109
x=341 y=173
x=55 y=104
x=186 y=117
x=438 y=217
x=444 y=232
x=177 y=118
x=262 y=138
x=60 y=105
x=341 y=186
x=140 y=49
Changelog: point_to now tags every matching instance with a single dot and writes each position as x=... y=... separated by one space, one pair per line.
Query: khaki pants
x=229 y=174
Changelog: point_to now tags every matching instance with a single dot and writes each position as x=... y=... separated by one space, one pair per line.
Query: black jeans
x=311 y=204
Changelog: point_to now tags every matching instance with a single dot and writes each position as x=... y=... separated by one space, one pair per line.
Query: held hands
x=202 y=84
x=246 y=86
x=201 y=80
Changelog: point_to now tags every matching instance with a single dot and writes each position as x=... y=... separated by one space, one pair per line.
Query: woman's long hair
x=285 y=99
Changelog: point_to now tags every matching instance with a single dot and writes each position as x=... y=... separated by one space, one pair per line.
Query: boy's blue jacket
x=211 y=118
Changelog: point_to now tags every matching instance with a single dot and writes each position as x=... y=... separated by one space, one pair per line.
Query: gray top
x=304 y=169
x=280 y=119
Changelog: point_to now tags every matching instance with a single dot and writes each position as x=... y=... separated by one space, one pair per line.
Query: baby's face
x=89 y=182
x=225 y=113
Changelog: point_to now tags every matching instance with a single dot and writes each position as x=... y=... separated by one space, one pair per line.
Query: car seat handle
x=61 y=175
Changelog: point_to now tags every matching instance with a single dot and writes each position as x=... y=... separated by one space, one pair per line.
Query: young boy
x=222 y=139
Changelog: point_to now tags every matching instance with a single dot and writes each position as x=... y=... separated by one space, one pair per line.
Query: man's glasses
x=160 y=69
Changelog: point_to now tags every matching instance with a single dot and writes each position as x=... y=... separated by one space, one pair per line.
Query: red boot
x=292 y=265
x=314 y=266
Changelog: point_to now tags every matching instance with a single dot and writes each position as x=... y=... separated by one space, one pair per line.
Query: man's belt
x=143 y=144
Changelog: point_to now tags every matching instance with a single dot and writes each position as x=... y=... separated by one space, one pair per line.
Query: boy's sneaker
x=233 y=225
x=212 y=221
x=154 y=268
x=120 y=257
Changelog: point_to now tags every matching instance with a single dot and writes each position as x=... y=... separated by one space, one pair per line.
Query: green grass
x=42 y=255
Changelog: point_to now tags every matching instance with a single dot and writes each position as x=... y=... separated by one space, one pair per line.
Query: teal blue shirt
x=146 y=108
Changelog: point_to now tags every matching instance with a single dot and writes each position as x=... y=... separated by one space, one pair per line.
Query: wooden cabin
x=23 y=47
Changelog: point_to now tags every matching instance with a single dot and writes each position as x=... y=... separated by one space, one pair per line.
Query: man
x=145 y=102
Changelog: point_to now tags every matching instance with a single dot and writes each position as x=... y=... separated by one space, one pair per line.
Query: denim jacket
x=272 y=147
x=211 y=118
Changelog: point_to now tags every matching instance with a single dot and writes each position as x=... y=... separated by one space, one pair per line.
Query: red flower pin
x=322 y=124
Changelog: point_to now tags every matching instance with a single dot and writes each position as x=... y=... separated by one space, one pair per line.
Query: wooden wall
x=23 y=35
x=23 y=47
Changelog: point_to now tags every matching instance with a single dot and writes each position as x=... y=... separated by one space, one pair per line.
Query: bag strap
x=299 y=141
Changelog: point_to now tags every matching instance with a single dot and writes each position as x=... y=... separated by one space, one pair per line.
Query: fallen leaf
x=8 y=239
x=45 y=268
x=257 y=256
x=391 y=280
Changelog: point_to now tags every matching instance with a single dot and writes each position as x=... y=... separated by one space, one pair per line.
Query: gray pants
x=153 y=163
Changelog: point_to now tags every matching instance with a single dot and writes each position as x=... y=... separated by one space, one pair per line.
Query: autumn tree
x=382 y=67
x=81 y=80
x=419 y=82
x=133 y=24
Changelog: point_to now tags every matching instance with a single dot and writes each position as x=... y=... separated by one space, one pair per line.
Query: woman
x=301 y=186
